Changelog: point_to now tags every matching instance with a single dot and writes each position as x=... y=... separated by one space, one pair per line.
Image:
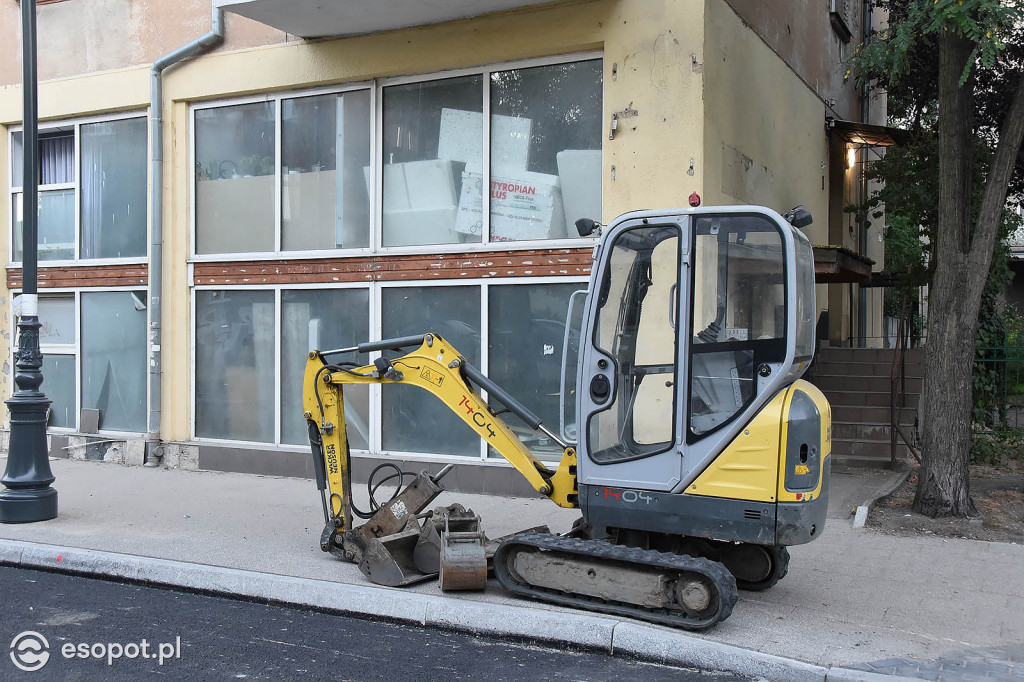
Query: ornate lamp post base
x=28 y=496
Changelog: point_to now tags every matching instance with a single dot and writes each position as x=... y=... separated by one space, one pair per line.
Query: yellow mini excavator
x=697 y=454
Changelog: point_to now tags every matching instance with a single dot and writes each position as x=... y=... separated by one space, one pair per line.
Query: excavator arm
x=435 y=366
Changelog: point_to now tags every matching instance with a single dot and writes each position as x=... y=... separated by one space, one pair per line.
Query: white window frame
x=75 y=124
x=277 y=253
x=375 y=318
x=377 y=173
x=75 y=350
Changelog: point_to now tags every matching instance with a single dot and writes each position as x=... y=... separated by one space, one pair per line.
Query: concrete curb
x=598 y=633
x=882 y=493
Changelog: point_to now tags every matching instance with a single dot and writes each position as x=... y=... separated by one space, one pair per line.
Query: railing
x=898 y=388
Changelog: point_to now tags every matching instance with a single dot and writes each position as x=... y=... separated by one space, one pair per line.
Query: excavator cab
x=696 y=330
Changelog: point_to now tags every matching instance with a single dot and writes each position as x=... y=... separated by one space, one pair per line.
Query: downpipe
x=205 y=43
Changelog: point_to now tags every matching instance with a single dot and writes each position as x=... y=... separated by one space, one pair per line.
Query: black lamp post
x=28 y=496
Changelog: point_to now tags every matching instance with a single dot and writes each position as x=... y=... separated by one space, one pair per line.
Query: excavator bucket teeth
x=390 y=560
x=463 y=561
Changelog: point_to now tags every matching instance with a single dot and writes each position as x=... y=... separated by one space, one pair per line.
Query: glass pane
x=114 y=362
x=545 y=150
x=235 y=171
x=413 y=420
x=637 y=313
x=322 y=320
x=56 y=157
x=431 y=132
x=805 y=307
x=59 y=386
x=235 y=365
x=57 y=317
x=56 y=225
x=113 y=214
x=739 y=314
x=324 y=207
x=526 y=331
x=17 y=160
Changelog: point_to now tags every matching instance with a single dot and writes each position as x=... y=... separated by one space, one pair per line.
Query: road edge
x=577 y=630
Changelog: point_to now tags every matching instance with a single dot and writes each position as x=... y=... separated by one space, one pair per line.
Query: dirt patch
x=998 y=493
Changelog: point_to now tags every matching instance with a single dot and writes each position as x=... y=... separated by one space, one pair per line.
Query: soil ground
x=997 y=491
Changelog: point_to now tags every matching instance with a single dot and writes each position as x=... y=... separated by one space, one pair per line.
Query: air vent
x=752 y=514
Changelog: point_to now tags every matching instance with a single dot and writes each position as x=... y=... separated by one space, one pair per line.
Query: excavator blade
x=390 y=561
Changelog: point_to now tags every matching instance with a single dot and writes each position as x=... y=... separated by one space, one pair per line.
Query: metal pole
x=28 y=496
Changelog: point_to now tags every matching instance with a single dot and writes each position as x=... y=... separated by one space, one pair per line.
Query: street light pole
x=28 y=496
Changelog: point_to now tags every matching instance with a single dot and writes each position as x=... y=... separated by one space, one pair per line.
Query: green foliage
x=986 y=23
x=993 y=447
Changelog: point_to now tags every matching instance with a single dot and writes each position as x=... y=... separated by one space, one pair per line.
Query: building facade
x=326 y=177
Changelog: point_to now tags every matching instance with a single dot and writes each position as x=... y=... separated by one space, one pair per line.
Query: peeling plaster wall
x=765 y=140
x=98 y=35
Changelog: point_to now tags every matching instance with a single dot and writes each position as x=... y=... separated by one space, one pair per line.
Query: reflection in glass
x=57 y=320
x=545 y=150
x=235 y=170
x=526 y=331
x=431 y=132
x=113 y=216
x=59 y=386
x=324 y=207
x=235 y=365
x=114 y=358
x=56 y=225
x=413 y=420
x=17 y=160
x=322 y=320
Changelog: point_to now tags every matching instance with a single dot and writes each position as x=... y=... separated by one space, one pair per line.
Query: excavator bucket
x=463 y=561
x=390 y=561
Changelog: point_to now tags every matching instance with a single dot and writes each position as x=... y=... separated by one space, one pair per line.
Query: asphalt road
x=99 y=630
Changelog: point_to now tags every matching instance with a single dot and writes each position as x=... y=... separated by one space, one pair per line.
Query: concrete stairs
x=856 y=382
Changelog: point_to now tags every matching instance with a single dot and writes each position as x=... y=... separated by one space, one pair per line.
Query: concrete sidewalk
x=854 y=600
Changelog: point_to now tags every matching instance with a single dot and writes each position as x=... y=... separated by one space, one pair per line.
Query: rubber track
x=604 y=551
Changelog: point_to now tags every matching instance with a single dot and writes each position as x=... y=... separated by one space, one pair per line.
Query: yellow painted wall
x=764 y=135
x=653 y=55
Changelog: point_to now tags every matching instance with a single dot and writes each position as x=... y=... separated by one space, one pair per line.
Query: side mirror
x=586 y=227
x=799 y=217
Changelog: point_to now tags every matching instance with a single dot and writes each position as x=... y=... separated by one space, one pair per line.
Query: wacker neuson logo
x=30 y=651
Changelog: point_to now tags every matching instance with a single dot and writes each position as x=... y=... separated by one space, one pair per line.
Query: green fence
x=999 y=388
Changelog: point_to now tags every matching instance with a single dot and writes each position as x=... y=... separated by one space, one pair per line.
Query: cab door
x=628 y=381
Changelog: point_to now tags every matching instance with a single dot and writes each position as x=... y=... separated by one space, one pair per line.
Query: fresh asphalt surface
x=234 y=640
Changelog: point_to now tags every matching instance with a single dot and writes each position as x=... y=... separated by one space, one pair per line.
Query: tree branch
x=993 y=201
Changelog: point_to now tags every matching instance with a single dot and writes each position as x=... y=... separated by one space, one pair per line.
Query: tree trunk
x=963 y=258
x=943 y=486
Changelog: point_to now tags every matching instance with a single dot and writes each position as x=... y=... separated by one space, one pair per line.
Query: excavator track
x=670 y=589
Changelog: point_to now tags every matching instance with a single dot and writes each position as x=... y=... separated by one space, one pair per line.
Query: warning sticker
x=432 y=377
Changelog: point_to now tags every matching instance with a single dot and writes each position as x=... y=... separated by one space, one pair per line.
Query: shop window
x=325 y=147
x=526 y=330
x=322 y=319
x=114 y=358
x=234 y=356
x=545 y=150
x=412 y=419
x=108 y=193
x=235 y=171
x=103 y=367
x=432 y=130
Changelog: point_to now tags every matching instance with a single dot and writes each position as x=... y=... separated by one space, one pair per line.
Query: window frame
x=376 y=88
x=75 y=124
x=376 y=328
x=76 y=351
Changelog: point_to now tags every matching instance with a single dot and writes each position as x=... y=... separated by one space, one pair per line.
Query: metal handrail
x=898 y=396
